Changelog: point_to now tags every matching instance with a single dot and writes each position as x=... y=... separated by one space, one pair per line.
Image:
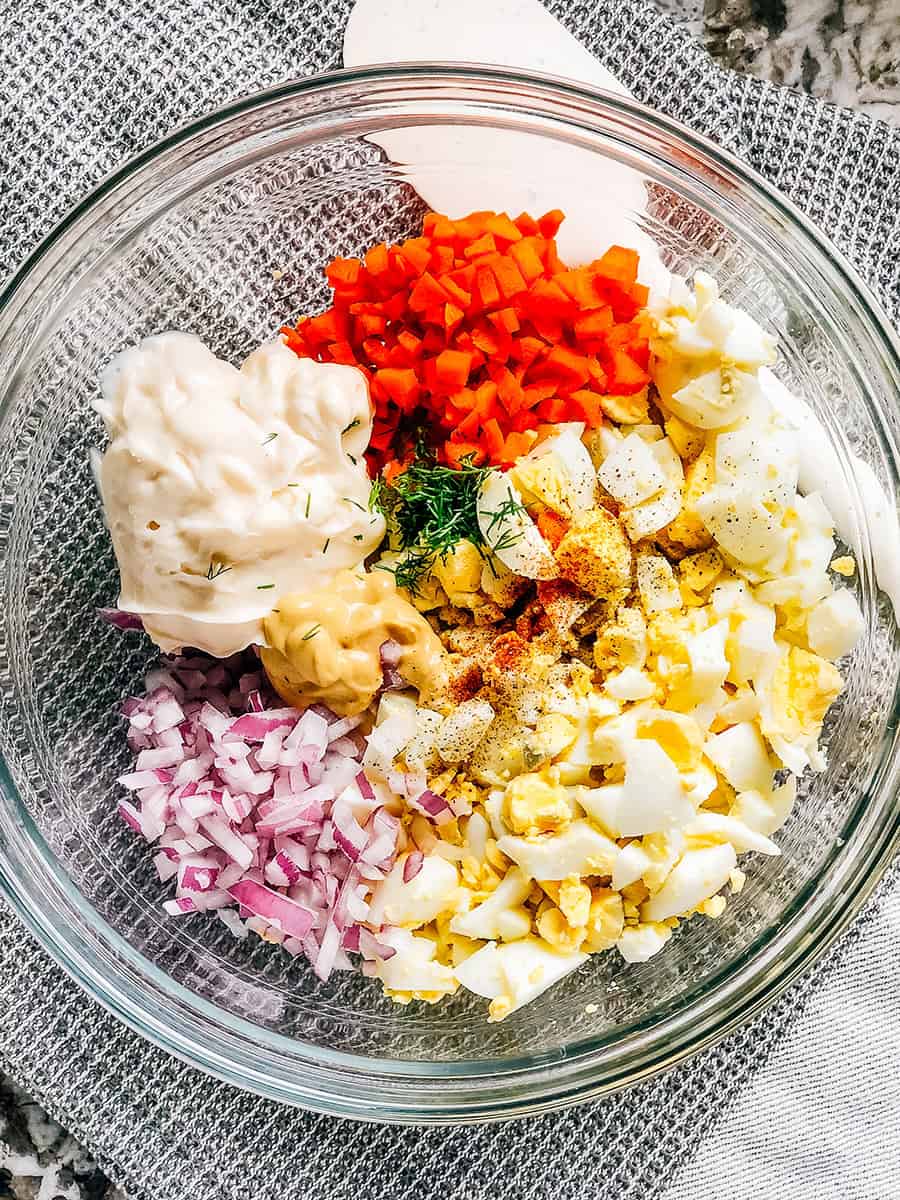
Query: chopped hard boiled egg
x=515 y=973
x=412 y=972
x=652 y=797
x=698 y=875
x=579 y=850
x=509 y=531
x=535 y=804
x=657 y=585
x=835 y=625
x=631 y=473
x=559 y=473
x=640 y=942
x=416 y=901
x=713 y=826
x=501 y=916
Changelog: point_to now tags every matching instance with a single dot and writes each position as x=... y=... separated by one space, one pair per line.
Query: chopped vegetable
x=266 y=808
x=479 y=333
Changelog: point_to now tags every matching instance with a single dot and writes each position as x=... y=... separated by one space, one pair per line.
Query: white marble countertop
x=845 y=51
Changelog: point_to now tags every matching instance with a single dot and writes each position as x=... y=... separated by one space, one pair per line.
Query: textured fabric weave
x=82 y=86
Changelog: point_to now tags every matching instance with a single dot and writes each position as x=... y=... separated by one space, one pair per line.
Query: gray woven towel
x=84 y=84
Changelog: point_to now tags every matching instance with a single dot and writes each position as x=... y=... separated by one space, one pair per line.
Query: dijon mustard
x=325 y=646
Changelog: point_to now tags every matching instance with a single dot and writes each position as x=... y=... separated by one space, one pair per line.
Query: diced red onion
x=433 y=806
x=258 y=806
x=225 y=837
x=390 y=653
x=117 y=617
x=350 y=939
x=412 y=865
x=371 y=948
x=255 y=726
x=201 y=875
x=281 y=911
x=344 y=746
x=166 y=867
x=130 y=815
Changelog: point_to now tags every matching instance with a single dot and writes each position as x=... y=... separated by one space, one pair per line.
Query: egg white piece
x=741 y=524
x=652 y=515
x=630 y=684
x=697 y=876
x=652 y=798
x=509 y=531
x=766 y=814
x=718 y=826
x=431 y=891
x=835 y=625
x=578 y=850
x=412 y=968
x=631 y=864
x=631 y=473
x=639 y=943
x=517 y=971
x=500 y=916
x=740 y=754
x=709 y=666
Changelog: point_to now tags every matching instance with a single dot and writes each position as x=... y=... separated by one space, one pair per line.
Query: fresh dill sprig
x=327 y=544
x=311 y=633
x=436 y=505
x=429 y=509
x=379 y=500
x=216 y=568
x=308 y=502
x=354 y=424
x=264 y=587
x=510 y=507
x=270 y=438
x=415 y=566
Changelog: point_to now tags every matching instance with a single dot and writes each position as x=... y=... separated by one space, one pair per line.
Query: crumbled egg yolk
x=595 y=554
x=688 y=529
x=459 y=573
x=574 y=900
x=606 y=920
x=700 y=571
x=844 y=566
x=623 y=642
x=535 y=804
x=803 y=689
x=554 y=928
x=626 y=410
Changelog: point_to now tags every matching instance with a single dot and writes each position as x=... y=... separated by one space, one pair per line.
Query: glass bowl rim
x=350 y=1085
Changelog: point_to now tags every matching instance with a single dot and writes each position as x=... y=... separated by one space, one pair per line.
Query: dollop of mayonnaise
x=224 y=488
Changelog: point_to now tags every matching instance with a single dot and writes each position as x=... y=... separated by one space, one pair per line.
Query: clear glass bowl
x=223 y=230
